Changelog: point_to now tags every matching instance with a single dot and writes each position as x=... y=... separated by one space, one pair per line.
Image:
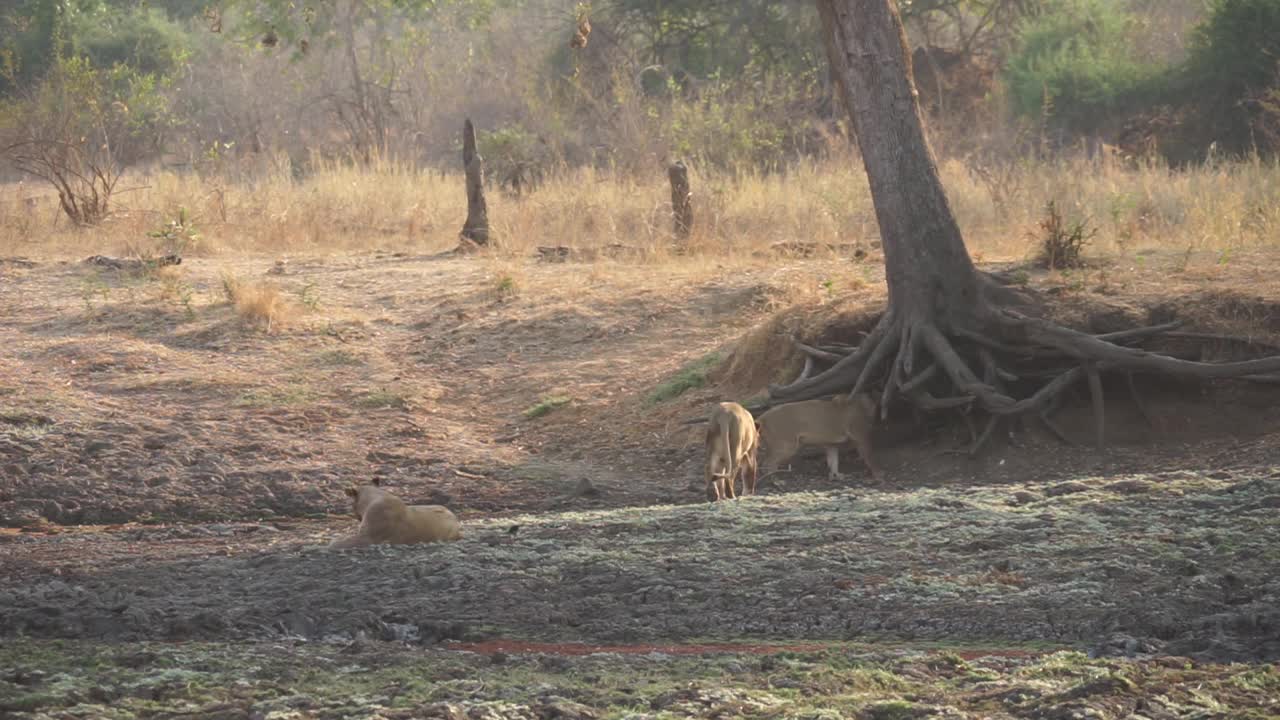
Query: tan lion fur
x=824 y=423
x=731 y=450
x=386 y=519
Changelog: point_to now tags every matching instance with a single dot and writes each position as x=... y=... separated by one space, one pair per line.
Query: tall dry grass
x=391 y=206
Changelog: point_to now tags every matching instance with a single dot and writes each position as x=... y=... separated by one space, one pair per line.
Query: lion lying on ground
x=384 y=518
x=731 y=449
x=825 y=423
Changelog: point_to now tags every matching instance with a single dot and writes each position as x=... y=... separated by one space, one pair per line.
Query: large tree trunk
x=930 y=276
x=925 y=258
x=943 y=316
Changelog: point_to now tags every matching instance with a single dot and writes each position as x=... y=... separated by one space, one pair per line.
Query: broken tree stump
x=476 y=229
x=681 y=199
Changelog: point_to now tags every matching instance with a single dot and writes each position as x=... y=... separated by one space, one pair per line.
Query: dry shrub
x=1062 y=242
x=259 y=303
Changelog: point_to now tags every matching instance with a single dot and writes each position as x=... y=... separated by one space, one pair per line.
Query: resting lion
x=384 y=518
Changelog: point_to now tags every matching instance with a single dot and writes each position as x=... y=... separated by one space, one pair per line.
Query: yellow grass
x=393 y=207
x=258 y=303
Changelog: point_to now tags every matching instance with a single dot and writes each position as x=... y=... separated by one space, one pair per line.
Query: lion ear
x=376 y=481
x=351 y=491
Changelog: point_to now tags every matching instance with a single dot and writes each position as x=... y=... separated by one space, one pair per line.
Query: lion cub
x=731 y=449
x=384 y=518
x=826 y=423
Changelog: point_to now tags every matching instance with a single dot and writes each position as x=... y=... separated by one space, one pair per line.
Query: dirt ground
x=170 y=473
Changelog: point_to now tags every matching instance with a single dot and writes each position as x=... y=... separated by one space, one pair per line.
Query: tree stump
x=681 y=199
x=476 y=229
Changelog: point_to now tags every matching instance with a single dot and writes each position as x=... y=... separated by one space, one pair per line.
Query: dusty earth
x=170 y=472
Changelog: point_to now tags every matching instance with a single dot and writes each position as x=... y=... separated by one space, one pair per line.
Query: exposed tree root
x=1026 y=364
x=1137 y=400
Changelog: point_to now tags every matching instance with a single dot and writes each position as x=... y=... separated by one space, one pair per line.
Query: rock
x=93 y=447
x=584 y=488
x=1124 y=645
x=26 y=678
x=1070 y=487
x=555 y=708
x=1024 y=497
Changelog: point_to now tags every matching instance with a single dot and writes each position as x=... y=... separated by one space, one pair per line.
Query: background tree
x=945 y=318
x=80 y=128
x=85 y=96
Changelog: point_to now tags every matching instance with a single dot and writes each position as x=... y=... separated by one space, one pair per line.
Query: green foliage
x=141 y=38
x=177 y=235
x=691 y=376
x=294 y=24
x=722 y=37
x=1073 y=63
x=30 y=33
x=383 y=399
x=546 y=405
x=513 y=156
x=35 y=33
x=719 y=130
x=81 y=127
x=1232 y=75
x=1236 y=51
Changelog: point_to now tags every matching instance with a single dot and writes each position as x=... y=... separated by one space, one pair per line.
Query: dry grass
x=391 y=206
x=259 y=303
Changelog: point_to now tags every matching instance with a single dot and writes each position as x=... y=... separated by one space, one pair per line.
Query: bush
x=143 y=39
x=1233 y=72
x=81 y=127
x=1073 y=63
x=513 y=157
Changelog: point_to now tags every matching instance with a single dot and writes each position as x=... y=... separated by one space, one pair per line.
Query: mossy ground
x=62 y=679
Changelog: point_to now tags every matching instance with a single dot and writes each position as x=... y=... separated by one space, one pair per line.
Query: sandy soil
x=171 y=472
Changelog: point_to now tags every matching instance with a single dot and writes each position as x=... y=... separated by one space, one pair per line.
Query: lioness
x=731 y=449
x=827 y=423
x=384 y=518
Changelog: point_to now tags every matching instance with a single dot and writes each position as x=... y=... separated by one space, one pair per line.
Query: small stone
x=1024 y=497
x=584 y=488
x=1070 y=487
x=561 y=709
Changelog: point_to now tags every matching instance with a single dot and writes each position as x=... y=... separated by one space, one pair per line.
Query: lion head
x=362 y=496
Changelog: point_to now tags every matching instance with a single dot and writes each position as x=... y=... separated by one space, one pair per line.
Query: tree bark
x=929 y=273
x=476 y=228
x=681 y=199
x=926 y=263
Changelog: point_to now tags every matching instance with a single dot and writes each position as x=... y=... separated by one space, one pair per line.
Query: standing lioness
x=826 y=423
x=384 y=518
x=731 y=449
